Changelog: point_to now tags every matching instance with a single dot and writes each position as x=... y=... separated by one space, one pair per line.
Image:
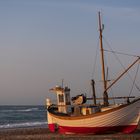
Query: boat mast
x=105 y=95
x=93 y=91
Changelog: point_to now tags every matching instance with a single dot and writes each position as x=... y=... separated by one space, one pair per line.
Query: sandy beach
x=45 y=134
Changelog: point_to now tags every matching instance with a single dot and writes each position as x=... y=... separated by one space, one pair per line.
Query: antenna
x=62 y=84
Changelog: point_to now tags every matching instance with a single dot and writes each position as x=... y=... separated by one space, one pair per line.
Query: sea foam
x=24 y=125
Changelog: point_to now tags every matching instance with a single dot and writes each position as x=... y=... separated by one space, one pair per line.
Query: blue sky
x=44 y=41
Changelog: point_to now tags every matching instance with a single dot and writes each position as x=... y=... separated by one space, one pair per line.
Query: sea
x=22 y=116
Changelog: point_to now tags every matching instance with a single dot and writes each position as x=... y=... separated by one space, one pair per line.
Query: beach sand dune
x=45 y=134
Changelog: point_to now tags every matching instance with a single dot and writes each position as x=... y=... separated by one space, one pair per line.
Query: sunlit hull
x=124 y=118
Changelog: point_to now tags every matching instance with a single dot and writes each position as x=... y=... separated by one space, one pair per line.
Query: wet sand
x=45 y=134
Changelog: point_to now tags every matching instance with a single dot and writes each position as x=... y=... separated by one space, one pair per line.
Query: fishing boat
x=75 y=116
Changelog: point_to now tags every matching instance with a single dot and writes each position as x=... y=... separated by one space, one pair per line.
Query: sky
x=45 y=41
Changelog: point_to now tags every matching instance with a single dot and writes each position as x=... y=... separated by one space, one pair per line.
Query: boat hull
x=124 y=119
x=97 y=130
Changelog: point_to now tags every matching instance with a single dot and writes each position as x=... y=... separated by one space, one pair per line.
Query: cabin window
x=61 y=98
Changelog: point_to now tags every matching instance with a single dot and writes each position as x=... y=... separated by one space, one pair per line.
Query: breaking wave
x=29 y=110
x=22 y=110
x=24 y=125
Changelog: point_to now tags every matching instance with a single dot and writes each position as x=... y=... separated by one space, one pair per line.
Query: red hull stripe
x=97 y=130
x=51 y=127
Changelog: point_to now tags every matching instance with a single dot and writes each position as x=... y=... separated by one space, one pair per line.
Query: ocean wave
x=21 y=110
x=25 y=124
x=7 y=110
x=28 y=110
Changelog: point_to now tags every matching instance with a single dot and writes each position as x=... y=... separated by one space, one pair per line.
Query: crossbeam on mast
x=125 y=71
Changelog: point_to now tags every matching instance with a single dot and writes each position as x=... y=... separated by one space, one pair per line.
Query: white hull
x=128 y=115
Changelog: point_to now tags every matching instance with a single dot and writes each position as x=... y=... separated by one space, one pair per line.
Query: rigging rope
x=134 y=80
x=121 y=63
x=95 y=60
x=121 y=53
